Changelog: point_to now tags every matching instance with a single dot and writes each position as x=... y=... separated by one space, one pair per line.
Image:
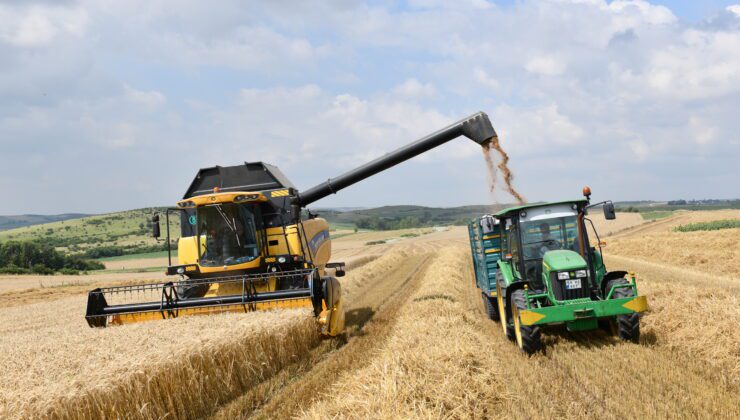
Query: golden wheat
x=715 y=252
x=445 y=360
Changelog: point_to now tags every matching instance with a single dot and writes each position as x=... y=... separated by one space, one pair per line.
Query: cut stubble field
x=417 y=345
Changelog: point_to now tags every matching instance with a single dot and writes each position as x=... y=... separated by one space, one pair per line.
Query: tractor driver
x=547 y=243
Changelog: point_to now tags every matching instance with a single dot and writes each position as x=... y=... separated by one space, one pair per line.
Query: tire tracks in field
x=592 y=374
x=371 y=314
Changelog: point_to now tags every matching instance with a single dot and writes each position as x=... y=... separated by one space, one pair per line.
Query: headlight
x=247 y=197
x=183 y=204
x=563 y=276
x=281 y=260
x=581 y=273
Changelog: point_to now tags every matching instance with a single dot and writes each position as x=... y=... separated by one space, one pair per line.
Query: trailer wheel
x=491 y=308
x=626 y=327
x=528 y=337
x=506 y=324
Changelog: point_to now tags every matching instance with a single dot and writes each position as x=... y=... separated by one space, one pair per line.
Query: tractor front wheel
x=506 y=323
x=626 y=327
x=528 y=337
x=491 y=308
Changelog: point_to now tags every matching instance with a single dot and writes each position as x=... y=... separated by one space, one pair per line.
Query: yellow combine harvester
x=245 y=246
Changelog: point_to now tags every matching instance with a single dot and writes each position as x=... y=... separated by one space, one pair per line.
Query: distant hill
x=396 y=217
x=13 y=222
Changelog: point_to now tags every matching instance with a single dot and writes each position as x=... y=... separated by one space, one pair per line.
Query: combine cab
x=245 y=244
x=537 y=264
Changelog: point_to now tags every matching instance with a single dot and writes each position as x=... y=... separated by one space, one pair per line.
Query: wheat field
x=417 y=345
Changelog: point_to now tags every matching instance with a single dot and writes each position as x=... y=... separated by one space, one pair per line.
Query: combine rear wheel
x=528 y=337
x=626 y=327
x=491 y=308
x=506 y=324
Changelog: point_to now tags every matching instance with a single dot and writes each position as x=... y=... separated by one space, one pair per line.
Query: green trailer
x=549 y=273
x=485 y=244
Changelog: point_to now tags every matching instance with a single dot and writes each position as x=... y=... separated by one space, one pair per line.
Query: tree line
x=34 y=258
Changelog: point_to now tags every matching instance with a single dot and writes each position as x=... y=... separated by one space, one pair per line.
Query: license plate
x=573 y=284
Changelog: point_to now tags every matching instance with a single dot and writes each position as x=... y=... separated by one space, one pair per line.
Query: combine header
x=536 y=267
x=244 y=244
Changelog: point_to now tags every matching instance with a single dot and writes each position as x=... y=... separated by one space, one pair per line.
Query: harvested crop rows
x=417 y=345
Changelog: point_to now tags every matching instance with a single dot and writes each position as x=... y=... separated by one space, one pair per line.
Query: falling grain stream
x=503 y=166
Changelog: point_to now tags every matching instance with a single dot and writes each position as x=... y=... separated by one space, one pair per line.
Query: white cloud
x=37 y=26
x=642 y=11
x=545 y=65
x=110 y=87
x=734 y=8
x=640 y=149
x=151 y=100
x=702 y=133
x=704 y=65
x=412 y=88
x=483 y=78
x=540 y=130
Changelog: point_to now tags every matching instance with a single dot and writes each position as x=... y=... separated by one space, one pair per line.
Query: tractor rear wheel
x=626 y=327
x=491 y=308
x=528 y=337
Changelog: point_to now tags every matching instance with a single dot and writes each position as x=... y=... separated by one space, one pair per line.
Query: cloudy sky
x=107 y=106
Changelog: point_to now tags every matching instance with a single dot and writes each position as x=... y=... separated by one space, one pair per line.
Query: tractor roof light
x=587 y=192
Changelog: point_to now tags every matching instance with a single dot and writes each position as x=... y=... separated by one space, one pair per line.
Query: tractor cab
x=550 y=274
x=541 y=233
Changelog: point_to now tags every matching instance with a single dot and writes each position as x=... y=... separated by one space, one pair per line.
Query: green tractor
x=536 y=267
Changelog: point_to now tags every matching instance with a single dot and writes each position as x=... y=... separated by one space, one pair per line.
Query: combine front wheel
x=626 y=327
x=528 y=337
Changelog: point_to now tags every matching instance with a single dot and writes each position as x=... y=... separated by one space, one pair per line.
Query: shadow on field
x=589 y=339
x=358 y=317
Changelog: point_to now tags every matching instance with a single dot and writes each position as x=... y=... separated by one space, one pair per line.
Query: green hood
x=563 y=260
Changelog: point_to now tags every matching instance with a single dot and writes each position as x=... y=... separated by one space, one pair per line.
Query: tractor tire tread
x=491 y=308
x=628 y=326
x=531 y=334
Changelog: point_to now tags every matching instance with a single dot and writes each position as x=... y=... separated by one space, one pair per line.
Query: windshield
x=540 y=236
x=227 y=233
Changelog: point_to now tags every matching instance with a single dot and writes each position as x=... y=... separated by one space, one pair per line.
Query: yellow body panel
x=202 y=200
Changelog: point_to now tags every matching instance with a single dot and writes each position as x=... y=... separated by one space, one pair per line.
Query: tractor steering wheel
x=549 y=245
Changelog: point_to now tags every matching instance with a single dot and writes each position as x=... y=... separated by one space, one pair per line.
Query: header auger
x=244 y=246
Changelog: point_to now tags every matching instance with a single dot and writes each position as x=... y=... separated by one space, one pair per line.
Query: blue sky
x=107 y=106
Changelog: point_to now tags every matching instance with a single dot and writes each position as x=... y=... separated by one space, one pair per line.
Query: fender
x=610 y=276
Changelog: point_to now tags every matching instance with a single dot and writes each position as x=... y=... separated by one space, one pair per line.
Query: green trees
x=377 y=223
x=30 y=257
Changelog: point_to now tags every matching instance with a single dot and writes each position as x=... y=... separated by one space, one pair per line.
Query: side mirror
x=155 y=226
x=609 y=213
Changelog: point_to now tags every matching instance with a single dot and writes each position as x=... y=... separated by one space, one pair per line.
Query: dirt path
x=445 y=359
x=371 y=312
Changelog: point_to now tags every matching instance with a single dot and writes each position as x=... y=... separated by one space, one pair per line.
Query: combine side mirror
x=609 y=213
x=155 y=226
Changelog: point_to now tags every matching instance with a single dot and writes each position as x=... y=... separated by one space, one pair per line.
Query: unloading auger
x=244 y=244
